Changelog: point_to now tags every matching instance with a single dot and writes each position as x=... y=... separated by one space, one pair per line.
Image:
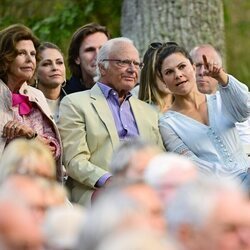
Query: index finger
x=205 y=61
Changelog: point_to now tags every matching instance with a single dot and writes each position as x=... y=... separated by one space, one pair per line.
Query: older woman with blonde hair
x=27 y=157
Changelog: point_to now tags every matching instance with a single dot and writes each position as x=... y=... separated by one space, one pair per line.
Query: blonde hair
x=21 y=156
x=149 y=91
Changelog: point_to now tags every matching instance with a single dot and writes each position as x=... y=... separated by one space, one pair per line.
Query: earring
x=64 y=83
x=36 y=83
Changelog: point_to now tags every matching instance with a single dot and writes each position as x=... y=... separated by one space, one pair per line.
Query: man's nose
x=200 y=70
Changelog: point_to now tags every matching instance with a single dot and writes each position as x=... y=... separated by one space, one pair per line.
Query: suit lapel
x=102 y=109
x=139 y=112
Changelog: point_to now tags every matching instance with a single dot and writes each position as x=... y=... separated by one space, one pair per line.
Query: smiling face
x=178 y=74
x=88 y=52
x=51 y=68
x=122 y=78
x=23 y=66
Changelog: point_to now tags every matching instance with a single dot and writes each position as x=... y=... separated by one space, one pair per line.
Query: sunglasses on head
x=157 y=45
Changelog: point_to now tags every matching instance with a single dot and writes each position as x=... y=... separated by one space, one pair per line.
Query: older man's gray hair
x=105 y=51
x=123 y=155
x=194 y=202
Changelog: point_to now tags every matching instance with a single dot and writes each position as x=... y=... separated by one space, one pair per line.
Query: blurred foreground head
x=210 y=214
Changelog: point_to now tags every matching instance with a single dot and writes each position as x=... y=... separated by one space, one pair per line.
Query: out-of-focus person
x=58 y=236
x=137 y=240
x=36 y=193
x=209 y=214
x=131 y=157
x=28 y=157
x=167 y=172
x=18 y=229
x=125 y=206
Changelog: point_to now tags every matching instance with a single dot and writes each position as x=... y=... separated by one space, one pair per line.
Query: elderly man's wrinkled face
x=205 y=84
x=227 y=228
x=123 y=70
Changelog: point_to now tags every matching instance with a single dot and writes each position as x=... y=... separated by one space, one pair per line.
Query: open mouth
x=180 y=83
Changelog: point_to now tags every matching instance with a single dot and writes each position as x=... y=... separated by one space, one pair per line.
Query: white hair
x=105 y=51
x=105 y=217
x=21 y=156
x=194 y=202
x=123 y=154
x=159 y=168
x=58 y=236
x=137 y=240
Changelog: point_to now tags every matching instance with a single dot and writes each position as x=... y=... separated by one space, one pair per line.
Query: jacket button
x=25 y=91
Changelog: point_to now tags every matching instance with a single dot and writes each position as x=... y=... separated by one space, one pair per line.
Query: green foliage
x=237 y=23
x=56 y=21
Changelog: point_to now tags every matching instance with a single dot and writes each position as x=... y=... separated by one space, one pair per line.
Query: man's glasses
x=157 y=45
x=125 y=63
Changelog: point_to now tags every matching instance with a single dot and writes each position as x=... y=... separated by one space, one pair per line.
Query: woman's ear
x=194 y=67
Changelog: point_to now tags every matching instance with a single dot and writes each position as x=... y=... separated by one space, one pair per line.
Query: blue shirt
x=123 y=116
x=124 y=119
x=216 y=148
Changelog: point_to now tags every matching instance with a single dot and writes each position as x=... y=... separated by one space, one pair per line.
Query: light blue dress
x=215 y=148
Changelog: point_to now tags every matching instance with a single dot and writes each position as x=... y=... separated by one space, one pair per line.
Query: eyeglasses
x=125 y=63
x=157 y=45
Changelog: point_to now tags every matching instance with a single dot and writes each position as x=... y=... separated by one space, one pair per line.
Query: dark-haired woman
x=199 y=126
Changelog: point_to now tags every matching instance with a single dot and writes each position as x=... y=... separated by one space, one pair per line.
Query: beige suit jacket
x=89 y=137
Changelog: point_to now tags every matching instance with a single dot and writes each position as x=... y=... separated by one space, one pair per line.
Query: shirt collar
x=106 y=90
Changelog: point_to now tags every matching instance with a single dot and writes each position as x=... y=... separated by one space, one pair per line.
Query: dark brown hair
x=9 y=37
x=76 y=41
x=169 y=50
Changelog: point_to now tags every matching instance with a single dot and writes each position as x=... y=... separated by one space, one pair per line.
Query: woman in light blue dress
x=199 y=126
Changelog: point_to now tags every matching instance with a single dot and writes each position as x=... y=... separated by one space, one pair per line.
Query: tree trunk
x=187 y=22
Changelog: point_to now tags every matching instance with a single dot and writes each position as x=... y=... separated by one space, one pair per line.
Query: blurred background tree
x=198 y=22
x=56 y=21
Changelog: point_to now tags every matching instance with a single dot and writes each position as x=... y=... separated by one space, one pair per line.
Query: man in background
x=84 y=46
x=209 y=85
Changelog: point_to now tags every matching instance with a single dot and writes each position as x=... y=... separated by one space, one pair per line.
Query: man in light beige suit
x=92 y=123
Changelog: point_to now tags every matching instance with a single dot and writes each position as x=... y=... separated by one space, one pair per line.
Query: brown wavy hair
x=9 y=37
x=76 y=41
